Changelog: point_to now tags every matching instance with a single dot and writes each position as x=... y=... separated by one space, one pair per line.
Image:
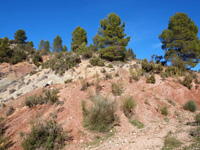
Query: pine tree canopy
x=110 y=38
x=57 y=44
x=79 y=36
x=180 y=40
x=20 y=37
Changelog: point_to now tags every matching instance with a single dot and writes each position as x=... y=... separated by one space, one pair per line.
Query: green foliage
x=79 y=36
x=84 y=84
x=68 y=81
x=180 y=40
x=84 y=51
x=36 y=58
x=117 y=88
x=30 y=43
x=3 y=139
x=171 y=142
x=110 y=38
x=190 y=105
x=65 y=49
x=44 y=47
x=187 y=82
x=158 y=68
x=137 y=123
x=171 y=102
x=131 y=54
x=110 y=66
x=128 y=105
x=50 y=96
x=197 y=118
x=96 y=61
x=147 y=66
x=101 y=115
x=18 y=56
x=164 y=110
x=45 y=135
x=135 y=75
x=151 y=79
x=173 y=71
x=20 y=37
x=57 y=44
x=62 y=61
x=179 y=63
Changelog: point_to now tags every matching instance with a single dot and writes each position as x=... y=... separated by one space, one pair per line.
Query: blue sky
x=44 y=19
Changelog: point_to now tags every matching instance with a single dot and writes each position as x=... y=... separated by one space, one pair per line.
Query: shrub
x=68 y=81
x=36 y=58
x=190 y=105
x=62 y=62
x=197 y=118
x=3 y=139
x=84 y=84
x=151 y=79
x=97 y=83
x=117 y=88
x=96 y=61
x=101 y=115
x=173 y=71
x=50 y=96
x=171 y=142
x=147 y=66
x=171 y=102
x=110 y=66
x=10 y=111
x=108 y=76
x=187 y=82
x=196 y=133
x=135 y=75
x=164 y=111
x=137 y=123
x=129 y=104
x=158 y=68
x=45 y=135
x=103 y=70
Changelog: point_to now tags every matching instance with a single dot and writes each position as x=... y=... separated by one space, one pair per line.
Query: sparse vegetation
x=187 y=82
x=151 y=79
x=147 y=66
x=84 y=84
x=197 y=118
x=135 y=75
x=110 y=66
x=137 y=123
x=96 y=61
x=190 y=105
x=50 y=96
x=171 y=102
x=45 y=135
x=3 y=139
x=129 y=104
x=171 y=142
x=117 y=88
x=164 y=110
x=68 y=81
x=101 y=115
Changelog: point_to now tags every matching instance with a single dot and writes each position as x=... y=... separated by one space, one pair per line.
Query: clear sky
x=44 y=19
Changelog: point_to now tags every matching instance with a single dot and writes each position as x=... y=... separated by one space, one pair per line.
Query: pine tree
x=110 y=38
x=41 y=45
x=30 y=43
x=46 y=46
x=180 y=40
x=57 y=44
x=65 y=49
x=20 y=37
x=79 y=36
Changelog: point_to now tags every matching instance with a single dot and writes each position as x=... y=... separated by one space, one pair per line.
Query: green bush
x=36 y=58
x=151 y=79
x=147 y=66
x=68 y=81
x=129 y=104
x=45 y=135
x=117 y=88
x=187 y=82
x=3 y=139
x=50 y=96
x=171 y=142
x=135 y=75
x=101 y=115
x=110 y=66
x=158 y=68
x=173 y=72
x=164 y=110
x=96 y=61
x=62 y=61
x=190 y=105
x=197 y=118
